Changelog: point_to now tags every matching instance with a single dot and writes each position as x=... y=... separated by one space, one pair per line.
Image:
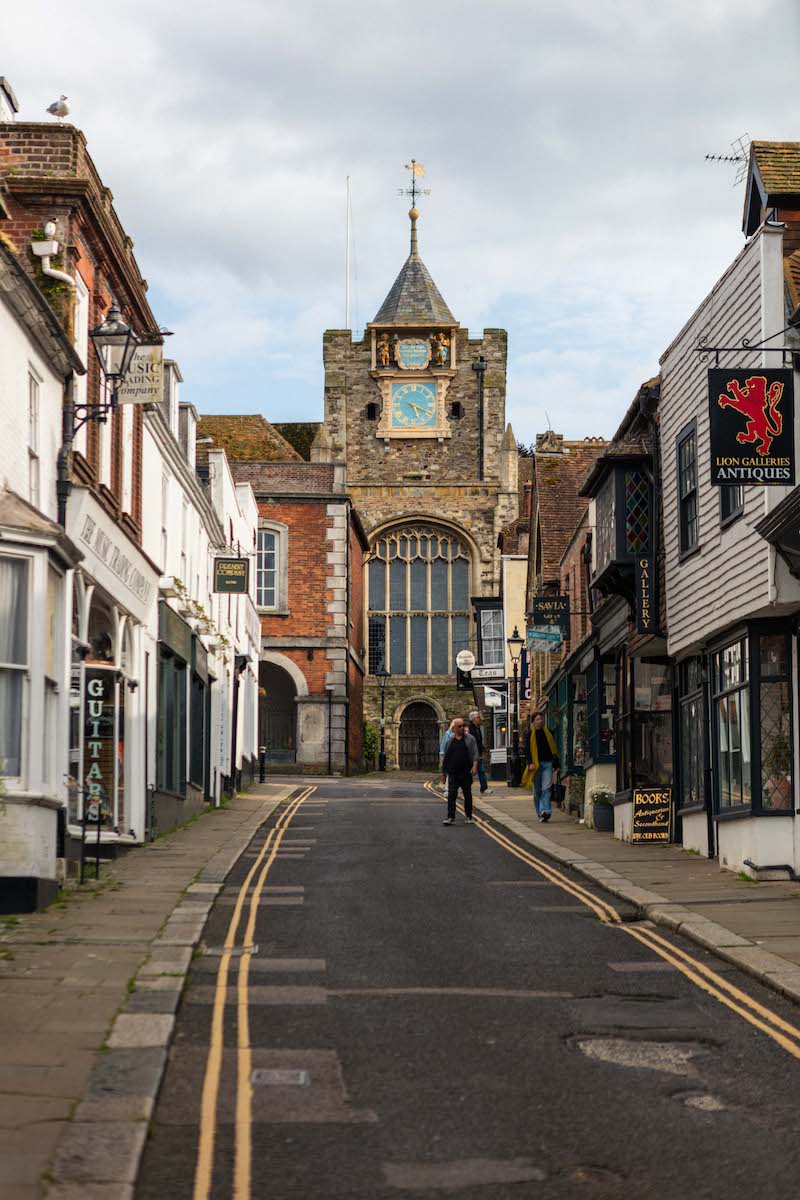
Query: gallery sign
x=544 y=639
x=551 y=610
x=751 y=417
x=652 y=815
x=232 y=575
x=646 y=607
x=143 y=383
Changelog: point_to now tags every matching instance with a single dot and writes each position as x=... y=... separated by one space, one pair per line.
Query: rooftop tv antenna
x=740 y=156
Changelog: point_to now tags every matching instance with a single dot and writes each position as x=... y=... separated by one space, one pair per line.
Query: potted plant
x=602 y=809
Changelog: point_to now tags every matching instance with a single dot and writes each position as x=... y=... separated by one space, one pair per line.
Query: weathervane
x=417 y=172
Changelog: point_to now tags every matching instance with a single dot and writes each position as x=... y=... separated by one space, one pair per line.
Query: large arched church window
x=418 y=592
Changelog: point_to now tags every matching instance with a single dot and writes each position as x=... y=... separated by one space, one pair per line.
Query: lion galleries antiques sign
x=752 y=427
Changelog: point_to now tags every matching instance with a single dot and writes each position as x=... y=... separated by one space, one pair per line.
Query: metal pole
x=382 y=755
x=62 y=461
x=330 y=730
x=347 y=263
x=97 y=844
x=515 y=734
x=480 y=368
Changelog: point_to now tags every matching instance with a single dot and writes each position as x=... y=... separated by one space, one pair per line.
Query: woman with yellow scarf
x=542 y=768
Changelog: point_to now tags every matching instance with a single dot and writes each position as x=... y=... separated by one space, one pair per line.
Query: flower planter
x=603 y=817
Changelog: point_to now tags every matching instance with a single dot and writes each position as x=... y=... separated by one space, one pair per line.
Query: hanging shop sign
x=143 y=383
x=646 y=608
x=487 y=674
x=524 y=677
x=551 y=610
x=751 y=416
x=232 y=575
x=99 y=744
x=652 y=815
x=544 y=639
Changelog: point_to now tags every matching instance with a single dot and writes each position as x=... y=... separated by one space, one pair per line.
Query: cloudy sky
x=564 y=145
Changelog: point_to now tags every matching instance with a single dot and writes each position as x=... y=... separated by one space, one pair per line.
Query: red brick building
x=309 y=593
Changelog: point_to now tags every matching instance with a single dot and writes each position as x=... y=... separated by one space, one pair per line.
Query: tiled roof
x=791 y=274
x=558 y=478
x=778 y=165
x=299 y=434
x=414 y=297
x=246 y=438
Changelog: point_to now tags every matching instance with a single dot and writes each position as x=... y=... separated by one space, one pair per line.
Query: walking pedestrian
x=474 y=727
x=459 y=765
x=543 y=767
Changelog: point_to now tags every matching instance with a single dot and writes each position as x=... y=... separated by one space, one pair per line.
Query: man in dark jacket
x=459 y=764
x=474 y=727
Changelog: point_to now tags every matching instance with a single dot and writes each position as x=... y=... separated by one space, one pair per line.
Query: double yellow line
x=785 y=1034
x=204 y=1169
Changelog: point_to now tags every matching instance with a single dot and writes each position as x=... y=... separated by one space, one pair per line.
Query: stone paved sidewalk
x=73 y=1120
x=756 y=926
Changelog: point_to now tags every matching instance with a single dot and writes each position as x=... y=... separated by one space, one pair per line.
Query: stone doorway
x=419 y=738
x=277 y=713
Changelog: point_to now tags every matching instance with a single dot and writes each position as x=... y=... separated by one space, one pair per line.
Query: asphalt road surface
x=420 y=1012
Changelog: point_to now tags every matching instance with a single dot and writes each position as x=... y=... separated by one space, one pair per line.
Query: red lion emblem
x=760 y=407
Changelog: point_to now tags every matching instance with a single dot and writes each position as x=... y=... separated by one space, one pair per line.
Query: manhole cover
x=280 y=1077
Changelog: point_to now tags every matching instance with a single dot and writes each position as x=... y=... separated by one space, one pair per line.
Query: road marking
x=242 y=1167
x=698 y=973
x=208 y=1103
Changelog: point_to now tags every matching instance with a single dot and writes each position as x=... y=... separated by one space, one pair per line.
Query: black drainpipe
x=67 y=437
x=347 y=649
x=480 y=367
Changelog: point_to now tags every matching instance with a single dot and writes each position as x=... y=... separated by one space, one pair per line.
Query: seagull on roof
x=59 y=108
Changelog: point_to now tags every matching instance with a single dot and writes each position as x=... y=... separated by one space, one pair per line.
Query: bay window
x=14 y=664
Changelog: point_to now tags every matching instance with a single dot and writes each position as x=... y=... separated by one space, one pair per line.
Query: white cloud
x=564 y=143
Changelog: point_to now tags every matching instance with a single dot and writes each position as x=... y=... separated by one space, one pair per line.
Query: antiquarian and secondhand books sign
x=652 y=815
x=551 y=610
x=231 y=575
x=646 y=608
x=751 y=414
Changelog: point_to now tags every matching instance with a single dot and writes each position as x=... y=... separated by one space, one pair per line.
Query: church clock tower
x=415 y=410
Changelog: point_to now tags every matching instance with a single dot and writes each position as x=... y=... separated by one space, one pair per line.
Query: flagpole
x=347 y=263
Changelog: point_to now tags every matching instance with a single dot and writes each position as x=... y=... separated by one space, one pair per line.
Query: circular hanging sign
x=465 y=660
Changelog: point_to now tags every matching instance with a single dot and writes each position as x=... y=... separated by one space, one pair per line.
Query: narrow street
x=423 y=1011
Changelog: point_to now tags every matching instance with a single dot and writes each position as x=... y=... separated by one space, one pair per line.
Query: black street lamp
x=114 y=341
x=383 y=676
x=515 y=645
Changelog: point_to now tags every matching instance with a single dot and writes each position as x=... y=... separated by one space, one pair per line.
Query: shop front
x=111 y=680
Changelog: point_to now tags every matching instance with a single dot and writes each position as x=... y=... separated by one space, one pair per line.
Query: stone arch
x=420 y=699
x=423 y=518
x=290 y=667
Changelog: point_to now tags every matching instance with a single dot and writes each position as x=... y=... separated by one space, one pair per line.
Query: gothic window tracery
x=418 y=598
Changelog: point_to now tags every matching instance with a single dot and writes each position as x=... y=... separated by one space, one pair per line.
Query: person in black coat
x=459 y=765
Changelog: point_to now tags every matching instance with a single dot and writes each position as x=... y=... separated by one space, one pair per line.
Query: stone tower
x=416 y=412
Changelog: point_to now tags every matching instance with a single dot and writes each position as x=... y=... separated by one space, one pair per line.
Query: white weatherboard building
x=732 y=602
x=126 y=685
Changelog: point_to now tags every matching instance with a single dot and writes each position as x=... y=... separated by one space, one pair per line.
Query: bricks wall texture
x=48 y=175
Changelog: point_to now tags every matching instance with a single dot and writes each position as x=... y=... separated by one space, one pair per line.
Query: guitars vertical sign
x=751 y=416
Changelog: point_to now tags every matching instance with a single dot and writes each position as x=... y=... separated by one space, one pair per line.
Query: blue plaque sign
x=413 y=354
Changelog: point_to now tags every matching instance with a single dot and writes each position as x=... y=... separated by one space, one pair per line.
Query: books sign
x=751 y=416
x=232 y=575
x=652 y=815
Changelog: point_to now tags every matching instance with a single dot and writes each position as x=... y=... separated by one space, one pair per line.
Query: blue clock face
x=413 y=404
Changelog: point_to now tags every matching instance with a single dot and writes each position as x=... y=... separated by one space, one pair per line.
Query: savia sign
x=751 y=417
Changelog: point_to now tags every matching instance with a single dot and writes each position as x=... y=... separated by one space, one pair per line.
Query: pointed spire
x=414 y=297
x=509 y=441
x=321 y=446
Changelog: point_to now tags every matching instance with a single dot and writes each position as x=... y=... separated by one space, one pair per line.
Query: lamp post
x=114 y=342
x=383 y=676
x=515 y=644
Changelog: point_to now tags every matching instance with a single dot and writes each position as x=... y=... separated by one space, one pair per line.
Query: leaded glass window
x=637 y=512
x=418 y=578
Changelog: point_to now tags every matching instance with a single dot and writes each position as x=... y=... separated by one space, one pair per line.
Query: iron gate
x=419 y=739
